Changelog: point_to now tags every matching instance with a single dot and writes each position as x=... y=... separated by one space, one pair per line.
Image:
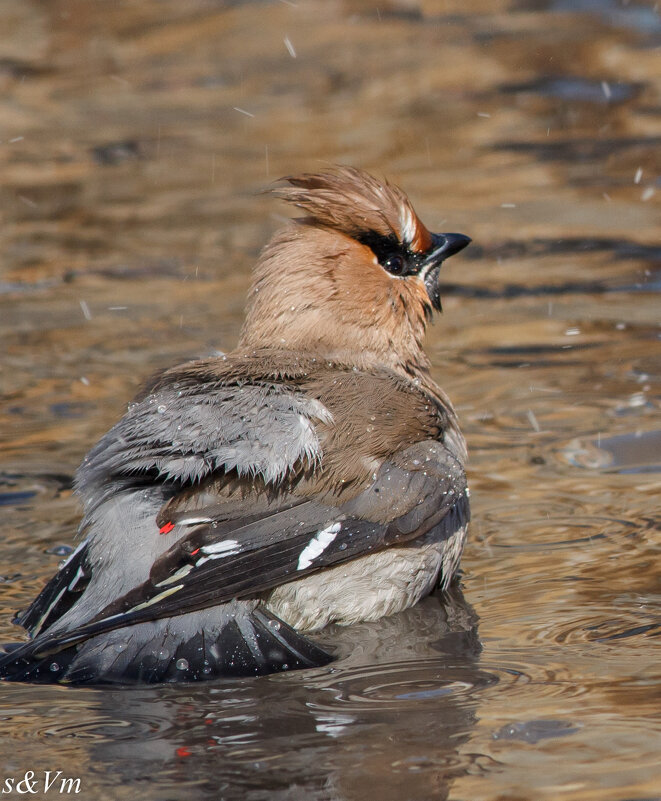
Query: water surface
x=135 y=140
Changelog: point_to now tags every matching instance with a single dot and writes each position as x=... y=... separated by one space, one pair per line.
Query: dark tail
x=187 y=648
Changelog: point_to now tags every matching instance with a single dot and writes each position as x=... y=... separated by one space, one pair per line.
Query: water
x=131 y=213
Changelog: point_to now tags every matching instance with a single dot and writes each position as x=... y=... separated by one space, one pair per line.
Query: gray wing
x=220 y=557
x=183 y=434
x=176 y=436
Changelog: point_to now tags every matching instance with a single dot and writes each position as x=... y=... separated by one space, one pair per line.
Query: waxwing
x=315 y=474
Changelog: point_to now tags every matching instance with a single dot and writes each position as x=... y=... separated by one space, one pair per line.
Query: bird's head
x=355 y=280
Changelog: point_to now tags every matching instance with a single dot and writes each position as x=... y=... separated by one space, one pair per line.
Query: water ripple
x=399 y=686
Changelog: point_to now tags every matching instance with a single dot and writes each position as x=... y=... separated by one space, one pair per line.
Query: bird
x=313 y=475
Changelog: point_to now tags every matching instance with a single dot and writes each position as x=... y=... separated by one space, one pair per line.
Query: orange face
x=358 y=274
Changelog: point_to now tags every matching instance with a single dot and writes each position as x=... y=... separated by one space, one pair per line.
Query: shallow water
x=135 y=141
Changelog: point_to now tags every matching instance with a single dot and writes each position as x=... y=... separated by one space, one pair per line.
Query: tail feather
x=188 y=648
x=60 y=594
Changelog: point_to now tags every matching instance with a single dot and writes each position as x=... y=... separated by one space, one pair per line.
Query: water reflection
x=639 y=452
x=253 y=739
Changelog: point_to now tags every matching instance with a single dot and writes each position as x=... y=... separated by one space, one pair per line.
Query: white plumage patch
x=409 y=225
x=37 y=627
x=151 y=601
x=222 y=548
x=74 y=580
x=184 y=571
x=218 y=550
x=317 y=545
x=192 y=520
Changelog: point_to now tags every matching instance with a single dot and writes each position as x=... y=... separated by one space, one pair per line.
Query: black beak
x=444 y=245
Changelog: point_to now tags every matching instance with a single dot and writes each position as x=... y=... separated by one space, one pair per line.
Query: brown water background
x=135 y=140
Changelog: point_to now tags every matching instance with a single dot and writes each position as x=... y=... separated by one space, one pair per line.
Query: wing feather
x=183 y=436
x=202 y=570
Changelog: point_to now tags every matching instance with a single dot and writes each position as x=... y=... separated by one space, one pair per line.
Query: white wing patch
x=222 y=548
x=317 y=545
x=192 y=520
x=74 y=580
x=218 y=550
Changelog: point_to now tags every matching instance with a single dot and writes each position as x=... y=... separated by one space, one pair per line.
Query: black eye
x=394 y=264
